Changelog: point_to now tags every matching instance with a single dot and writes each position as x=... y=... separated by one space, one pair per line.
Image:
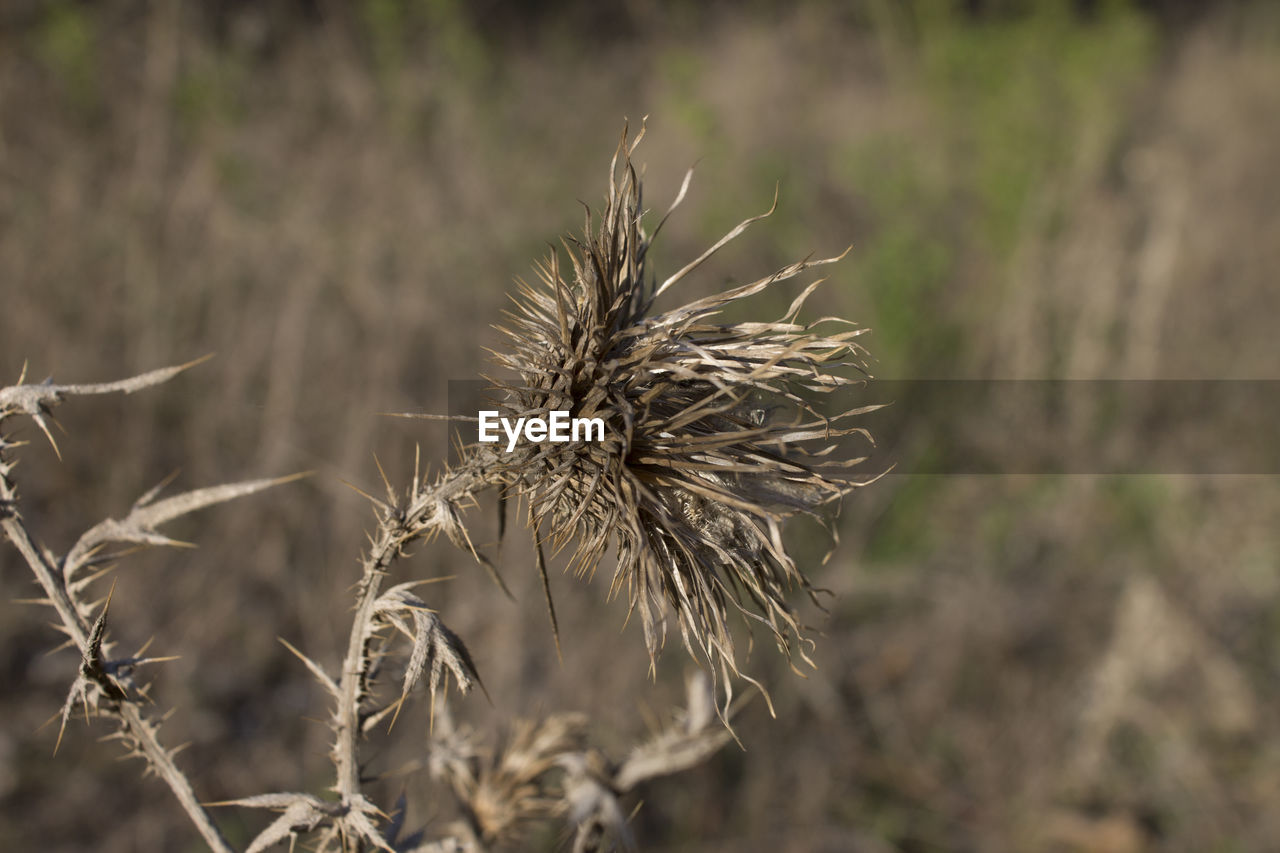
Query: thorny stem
x=398 y=526
x=136 y=727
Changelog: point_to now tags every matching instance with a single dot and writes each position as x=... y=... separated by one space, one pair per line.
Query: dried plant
x=713 y=437
x=106 y=685
x=709 y=437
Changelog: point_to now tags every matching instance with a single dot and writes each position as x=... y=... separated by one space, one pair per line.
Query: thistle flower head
x=711 y=440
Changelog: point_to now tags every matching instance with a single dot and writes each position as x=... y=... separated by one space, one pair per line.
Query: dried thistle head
x=504 y=789
x=711 y=440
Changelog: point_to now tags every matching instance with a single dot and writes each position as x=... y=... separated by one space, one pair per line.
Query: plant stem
x=136 y=727
x=397 y=527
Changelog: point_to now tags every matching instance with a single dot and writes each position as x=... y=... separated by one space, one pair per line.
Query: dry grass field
x=335 y=199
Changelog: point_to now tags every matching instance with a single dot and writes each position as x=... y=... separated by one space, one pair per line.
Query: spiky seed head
x=710 y=434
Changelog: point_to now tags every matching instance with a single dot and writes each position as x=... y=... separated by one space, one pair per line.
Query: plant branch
x=100 y=683
x=429 y=509
x=136 y=729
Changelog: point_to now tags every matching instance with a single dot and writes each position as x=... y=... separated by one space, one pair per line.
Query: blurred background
x=335 y=198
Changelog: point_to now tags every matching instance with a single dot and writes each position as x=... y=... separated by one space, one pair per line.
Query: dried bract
x=712 y=438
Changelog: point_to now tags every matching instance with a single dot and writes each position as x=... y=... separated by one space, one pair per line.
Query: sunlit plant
x=700 y=438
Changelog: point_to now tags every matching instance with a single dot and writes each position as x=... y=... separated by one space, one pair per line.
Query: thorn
x=398 y=704
x=63 y=645
x=391 y=493
x=417 y=461
x=546 y=590
x=106 y=605
x=425 y=581
x=359 y=491
x=92 y=559
x=39 y=419
x=42 y=726
x=170 y=542
x=190 y=364
x=150 y=494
